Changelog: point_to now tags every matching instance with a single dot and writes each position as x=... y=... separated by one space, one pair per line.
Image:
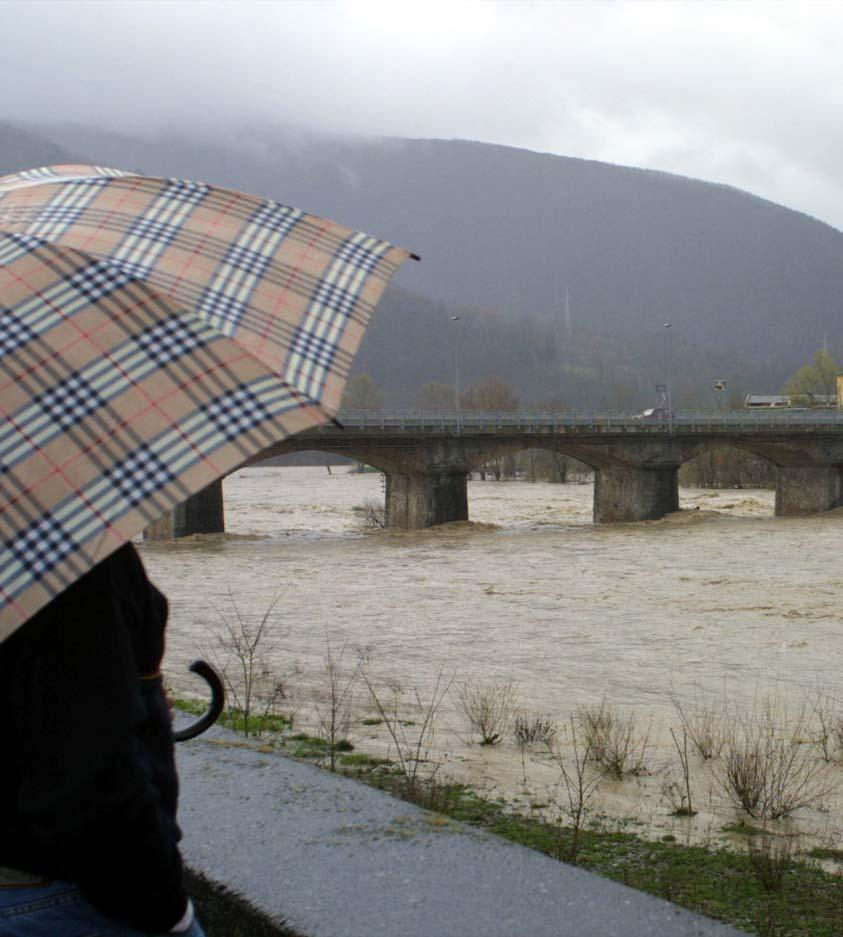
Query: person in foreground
x=88 y=786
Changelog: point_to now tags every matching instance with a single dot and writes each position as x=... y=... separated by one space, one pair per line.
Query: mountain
x=751 y=289
x=25 y=149
x=413 y=340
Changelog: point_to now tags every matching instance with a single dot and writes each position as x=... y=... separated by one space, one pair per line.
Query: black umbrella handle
x=215 y=707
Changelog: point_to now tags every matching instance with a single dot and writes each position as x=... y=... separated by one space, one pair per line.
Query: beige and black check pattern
x=154 y=334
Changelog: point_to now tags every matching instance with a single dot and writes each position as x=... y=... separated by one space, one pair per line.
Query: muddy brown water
x=722 y=599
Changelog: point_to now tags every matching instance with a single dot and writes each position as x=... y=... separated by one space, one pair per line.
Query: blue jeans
x=58 y=910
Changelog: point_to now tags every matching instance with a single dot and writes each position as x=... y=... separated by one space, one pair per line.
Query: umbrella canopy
x=155 y=334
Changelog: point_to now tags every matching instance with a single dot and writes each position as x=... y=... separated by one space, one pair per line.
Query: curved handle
x=215 y=707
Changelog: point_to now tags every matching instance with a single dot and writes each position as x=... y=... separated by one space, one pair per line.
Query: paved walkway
x=336 y=858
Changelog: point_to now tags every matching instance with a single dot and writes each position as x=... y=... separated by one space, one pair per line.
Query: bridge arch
x=808 y=473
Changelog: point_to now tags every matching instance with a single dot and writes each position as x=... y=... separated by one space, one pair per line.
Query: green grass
x=191 y=706
x=234 y=719
x=304 y=737
x=270 y=723
x=361 y=760
x=302 y=745
x=712 y=881
x=819 y=853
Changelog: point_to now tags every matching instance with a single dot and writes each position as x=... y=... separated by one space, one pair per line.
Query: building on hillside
x=766 y=400
x=794 y=402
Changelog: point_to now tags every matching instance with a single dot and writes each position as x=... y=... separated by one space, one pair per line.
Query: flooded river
x=721 y=597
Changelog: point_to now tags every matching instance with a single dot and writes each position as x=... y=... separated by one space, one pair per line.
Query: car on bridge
x=656 y=413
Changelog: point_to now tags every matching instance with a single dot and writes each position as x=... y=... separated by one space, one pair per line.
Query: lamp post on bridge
x=719 y=387
x=668 y=351
x=457 y=366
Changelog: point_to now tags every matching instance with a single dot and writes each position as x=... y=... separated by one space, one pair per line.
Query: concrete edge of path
x=332 y=857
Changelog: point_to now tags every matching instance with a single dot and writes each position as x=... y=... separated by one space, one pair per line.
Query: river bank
x=766 y=889
x=720 y=602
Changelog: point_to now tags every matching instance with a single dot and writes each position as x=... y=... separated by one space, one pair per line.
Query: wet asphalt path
x=336 y=858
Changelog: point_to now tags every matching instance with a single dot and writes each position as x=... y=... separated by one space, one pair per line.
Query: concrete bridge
x=427 y=458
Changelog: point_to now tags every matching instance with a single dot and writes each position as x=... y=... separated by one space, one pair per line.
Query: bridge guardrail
x=597 y=421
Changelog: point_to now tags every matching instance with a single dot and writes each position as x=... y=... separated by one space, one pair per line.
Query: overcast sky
x=745 y=93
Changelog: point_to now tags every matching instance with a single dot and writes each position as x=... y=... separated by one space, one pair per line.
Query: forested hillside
x=563 y=271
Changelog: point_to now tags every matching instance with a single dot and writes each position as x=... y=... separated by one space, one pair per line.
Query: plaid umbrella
x=154 y=334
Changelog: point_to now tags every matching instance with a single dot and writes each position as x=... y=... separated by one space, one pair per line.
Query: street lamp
x=457 y=364
x=668 y=350
x=719 y=387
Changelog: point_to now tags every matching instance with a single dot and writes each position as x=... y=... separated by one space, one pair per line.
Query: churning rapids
x=720 y=597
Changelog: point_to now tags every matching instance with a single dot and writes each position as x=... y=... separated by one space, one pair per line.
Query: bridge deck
x=574 y=421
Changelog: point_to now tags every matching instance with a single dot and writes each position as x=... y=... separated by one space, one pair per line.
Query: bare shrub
x=372 y=513
x=488 y=708
x=531 y=729
x=706 y=723
x=827 y=724
x=534 y=728
x=254 y=689
x=613 y=739
x=742 y=774
x=767 y=768
x=596 y=724
x=673 y=791
x=334 y=700
x=580 y=783
x=770 y=857
x=411 y=752
x=678 y=793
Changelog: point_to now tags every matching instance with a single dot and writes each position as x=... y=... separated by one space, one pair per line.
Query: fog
x=746 y=94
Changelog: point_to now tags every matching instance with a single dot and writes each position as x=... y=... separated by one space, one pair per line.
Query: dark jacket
x=88 y=784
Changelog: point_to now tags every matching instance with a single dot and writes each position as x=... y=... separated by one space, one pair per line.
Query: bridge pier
x=807 y=489
x=202 y=513
x=634 y=493
x=420 y=500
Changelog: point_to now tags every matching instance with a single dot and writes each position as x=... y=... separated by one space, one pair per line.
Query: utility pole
x=719 y=387
x=457 y=367
x=668 y=351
